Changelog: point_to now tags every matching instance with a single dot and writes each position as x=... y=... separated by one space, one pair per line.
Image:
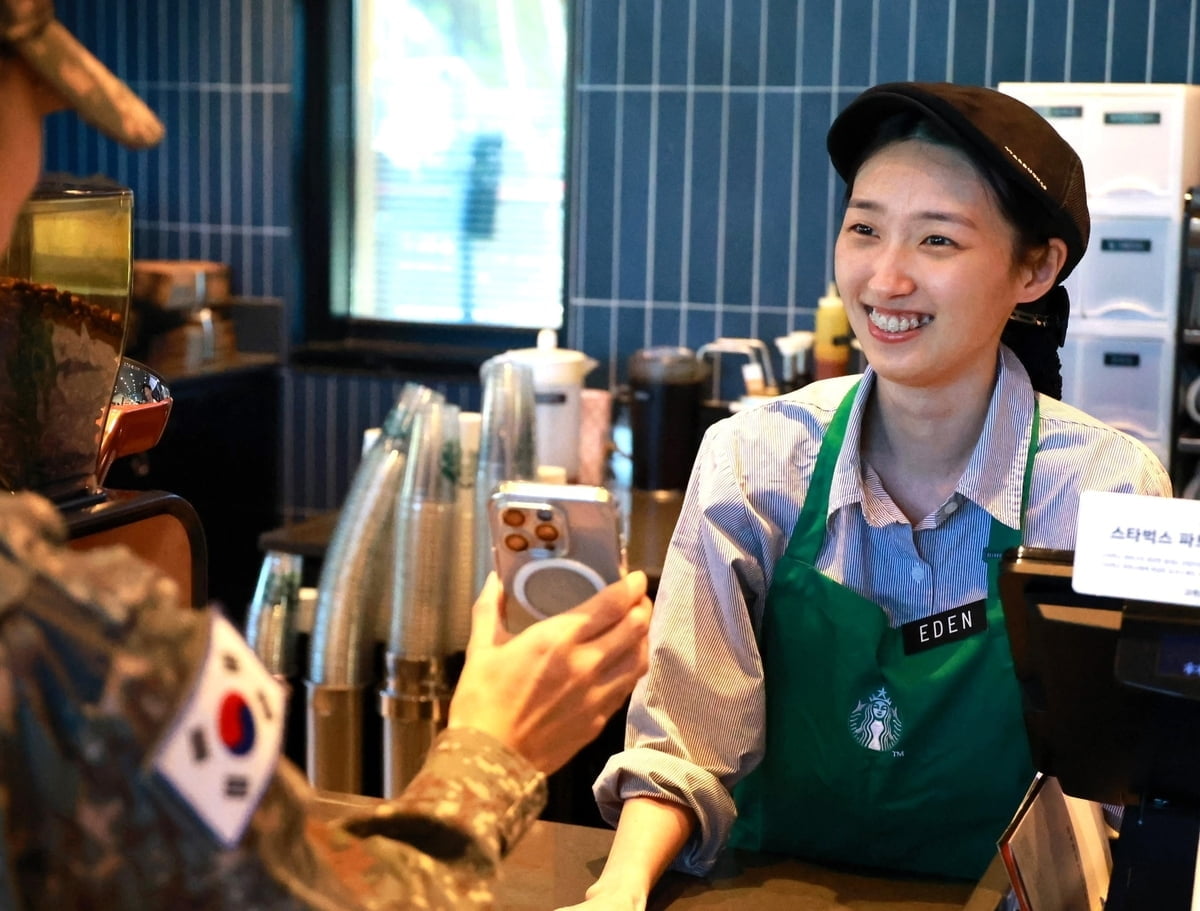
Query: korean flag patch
x=221 y=750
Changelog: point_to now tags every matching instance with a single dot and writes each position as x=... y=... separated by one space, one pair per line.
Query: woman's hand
x=598 y=898
x=650 y=833
x=548 y=691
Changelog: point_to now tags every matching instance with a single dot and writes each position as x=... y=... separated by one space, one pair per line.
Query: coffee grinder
x=70 y=404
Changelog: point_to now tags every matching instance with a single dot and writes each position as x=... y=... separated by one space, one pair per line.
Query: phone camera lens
x=513 y=518
x=516 y=543
x=546 y=532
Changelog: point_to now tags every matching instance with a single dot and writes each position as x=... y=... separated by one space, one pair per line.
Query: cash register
x=1110 y=689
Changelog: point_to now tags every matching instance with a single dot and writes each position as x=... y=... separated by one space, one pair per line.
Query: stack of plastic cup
x=507 y=446
x=415 y=698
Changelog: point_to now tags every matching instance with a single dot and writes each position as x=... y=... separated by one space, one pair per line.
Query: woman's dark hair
x=1034 y=343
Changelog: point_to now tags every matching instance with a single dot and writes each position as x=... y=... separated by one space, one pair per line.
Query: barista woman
x=830 y=675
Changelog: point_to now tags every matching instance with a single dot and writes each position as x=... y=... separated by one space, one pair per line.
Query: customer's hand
x=548 y=691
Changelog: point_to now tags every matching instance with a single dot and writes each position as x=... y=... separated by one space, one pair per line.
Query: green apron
x=874 y=757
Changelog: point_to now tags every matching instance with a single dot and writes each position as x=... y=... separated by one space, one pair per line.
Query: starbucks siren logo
x=875 y=722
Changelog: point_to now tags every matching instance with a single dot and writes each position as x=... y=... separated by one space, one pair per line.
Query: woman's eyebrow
x=955 y=218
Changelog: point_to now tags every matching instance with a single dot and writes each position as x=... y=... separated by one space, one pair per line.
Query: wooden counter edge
x=992 y=888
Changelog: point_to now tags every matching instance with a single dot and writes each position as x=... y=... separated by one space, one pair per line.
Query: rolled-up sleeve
x=695 y=725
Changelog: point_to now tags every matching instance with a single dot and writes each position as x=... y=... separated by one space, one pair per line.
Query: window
x=432 y=168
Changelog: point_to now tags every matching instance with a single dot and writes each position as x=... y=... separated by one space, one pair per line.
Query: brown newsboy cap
x=29 y=28
x=1020 y=144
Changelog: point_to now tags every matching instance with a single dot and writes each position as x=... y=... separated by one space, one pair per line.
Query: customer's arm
x=549 y=691
x=102 y=663
x=523 y=706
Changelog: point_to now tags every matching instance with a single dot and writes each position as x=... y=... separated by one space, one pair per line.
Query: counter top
x=554 y=863
x=306 y=538
x=238 y=362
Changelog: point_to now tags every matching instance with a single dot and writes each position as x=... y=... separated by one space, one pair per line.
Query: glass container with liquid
x=64 y=308
x=664 y=415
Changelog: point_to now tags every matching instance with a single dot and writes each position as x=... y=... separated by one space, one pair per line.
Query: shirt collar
x=995 y=474
x=994 y=478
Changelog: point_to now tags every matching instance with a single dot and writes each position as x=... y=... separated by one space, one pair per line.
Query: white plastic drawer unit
x=1139 y=142
x=1130 y=270
x=1123 y=380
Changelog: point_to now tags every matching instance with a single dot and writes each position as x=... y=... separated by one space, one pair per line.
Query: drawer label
x=1052 y=111
x=1124 y=245
x=1136 y=118
x=1121 y=359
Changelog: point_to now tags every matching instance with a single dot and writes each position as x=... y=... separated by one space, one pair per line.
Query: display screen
x=1179 y=656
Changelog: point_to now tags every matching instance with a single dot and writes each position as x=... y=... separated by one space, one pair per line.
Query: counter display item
x=64 y=305
x=796 y=349
x=408 y=553
x=666 y=387
x=831 y=339
x=65 y=352
x=415 y=697
x=558 y=375
x=351 y=616
x=182 y=315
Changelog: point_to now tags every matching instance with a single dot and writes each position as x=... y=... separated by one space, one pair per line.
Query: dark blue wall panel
x=703 y=201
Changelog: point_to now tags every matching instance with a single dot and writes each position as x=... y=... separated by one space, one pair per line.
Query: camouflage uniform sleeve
x=441 y=842
x=476 y=786
x=96 y=660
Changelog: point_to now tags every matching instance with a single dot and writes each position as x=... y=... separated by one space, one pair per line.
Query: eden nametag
x=948 y=626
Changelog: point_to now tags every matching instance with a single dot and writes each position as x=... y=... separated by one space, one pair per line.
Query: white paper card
x=1056 y=851
x=1196 y=882
x=1139 y=547
x=221 y=750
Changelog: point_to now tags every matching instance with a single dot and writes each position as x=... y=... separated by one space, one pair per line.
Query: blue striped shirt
x=695 y=725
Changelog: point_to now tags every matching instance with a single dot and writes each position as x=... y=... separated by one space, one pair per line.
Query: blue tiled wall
x=219 y=75
x=702 y=203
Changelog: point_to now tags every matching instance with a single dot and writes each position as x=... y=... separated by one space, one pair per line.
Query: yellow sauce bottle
x=831 y=344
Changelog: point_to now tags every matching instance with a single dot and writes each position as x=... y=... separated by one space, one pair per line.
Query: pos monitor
x=1110 y=689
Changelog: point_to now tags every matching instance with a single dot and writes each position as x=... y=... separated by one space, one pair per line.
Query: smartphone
x=555 y=546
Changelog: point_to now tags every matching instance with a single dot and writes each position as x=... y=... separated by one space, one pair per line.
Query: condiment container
x=831 y=343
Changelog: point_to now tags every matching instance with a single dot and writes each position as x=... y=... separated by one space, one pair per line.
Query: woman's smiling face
x=926 y=265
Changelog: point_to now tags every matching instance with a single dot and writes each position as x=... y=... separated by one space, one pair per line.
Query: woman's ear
x=1041 y=271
